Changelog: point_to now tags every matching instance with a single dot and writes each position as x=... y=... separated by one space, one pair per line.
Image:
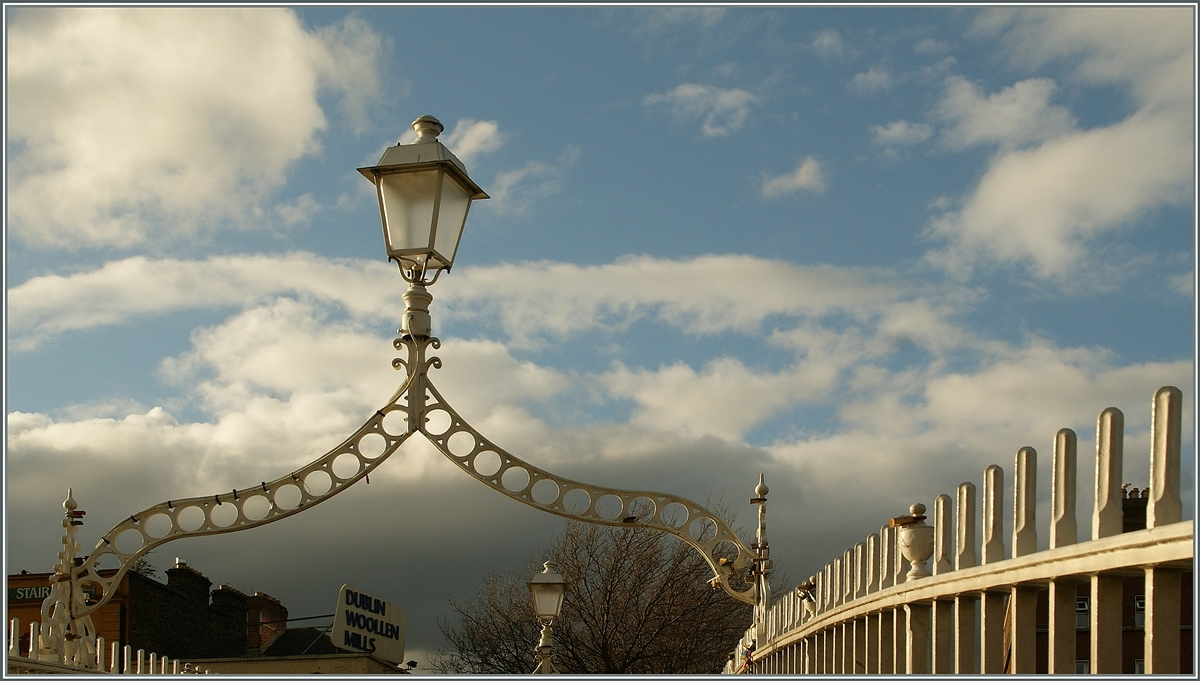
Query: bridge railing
x=119 y=660
x=943 y=597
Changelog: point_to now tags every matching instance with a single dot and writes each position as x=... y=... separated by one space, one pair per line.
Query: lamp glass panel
x=547 y=598
x=452 y=214
x=408 y=200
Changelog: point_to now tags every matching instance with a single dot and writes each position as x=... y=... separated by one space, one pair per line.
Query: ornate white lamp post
x=424 y=195
x=548 y=589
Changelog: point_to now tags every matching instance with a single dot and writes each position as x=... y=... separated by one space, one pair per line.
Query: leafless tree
x=637 y=602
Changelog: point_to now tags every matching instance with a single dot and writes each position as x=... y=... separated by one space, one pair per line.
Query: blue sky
x=867 y=251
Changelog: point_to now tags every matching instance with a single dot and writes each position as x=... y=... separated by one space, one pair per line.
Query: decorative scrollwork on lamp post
x=424 y=195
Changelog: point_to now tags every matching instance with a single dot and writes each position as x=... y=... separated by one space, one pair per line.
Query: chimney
x=188 y=582
x=266 y=619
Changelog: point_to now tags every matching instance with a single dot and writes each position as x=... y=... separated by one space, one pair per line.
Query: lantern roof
x=426 y=151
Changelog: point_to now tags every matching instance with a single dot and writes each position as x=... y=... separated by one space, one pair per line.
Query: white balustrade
x=872 y=610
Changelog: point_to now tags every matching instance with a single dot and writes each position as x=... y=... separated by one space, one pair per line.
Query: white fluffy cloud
x=1052 y=190
x=471 y=139
x=901 y=133
x=135 y=287
x=874 y=79
x=723 y=110
x=806 y=177
x=828 y=43
x=1018 y=115
x=165 y=121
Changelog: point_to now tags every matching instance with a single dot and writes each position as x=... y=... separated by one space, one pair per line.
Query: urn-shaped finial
x=916 y=542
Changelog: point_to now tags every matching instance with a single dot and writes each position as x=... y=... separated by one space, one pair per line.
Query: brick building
x=186 y=619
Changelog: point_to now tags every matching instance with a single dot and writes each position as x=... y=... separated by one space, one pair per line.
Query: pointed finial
x=762 y=489
x=428 y=128
x=70 y=504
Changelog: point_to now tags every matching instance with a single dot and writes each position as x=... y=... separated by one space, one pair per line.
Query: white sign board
x=365 y=624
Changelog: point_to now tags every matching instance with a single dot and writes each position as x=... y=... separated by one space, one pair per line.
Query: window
x=1139 y=613
x=1082 y=666
x=1139 y=666
x=1082 y=619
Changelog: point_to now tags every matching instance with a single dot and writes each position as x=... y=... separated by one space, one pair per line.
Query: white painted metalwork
x=417 y=406
x=936 y=624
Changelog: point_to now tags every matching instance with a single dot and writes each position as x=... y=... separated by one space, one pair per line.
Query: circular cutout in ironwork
x=461 y=444
x=158 y=525
x=545 y=491
x=287 y=497
x=346 y=466
x=223 y=515
x=702 y=529
x=437 y=422
x=395 y=422
x=130 y=541
x=256 y=507
x=674 y=515
x=576 y=501
x=486 y=463
x=640 y=509
x=317 y=483
x=190 y=519
x=515 y=479
x=371 y=446
x=609 y=506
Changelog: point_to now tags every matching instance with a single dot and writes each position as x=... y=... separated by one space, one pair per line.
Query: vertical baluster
x=964 y=557
x=942 y=534
x=871 y=649
x=1024 y=537
x=14 y=637
x=174 y=666
x=992 y=604
x=100 y=653
x=1107 y=521
x=1063 y=526
x=993 y=515
x=964 y=545
x=872 y=563
x=141 y=655
x=150 y=668
x=1023 y=599
x=887 y=557
x=1164 y=506
x=127 y=659
x=1064 y=529
x=860 y=569
x=848 y=576
x=1162 y=588
x=1107 y=514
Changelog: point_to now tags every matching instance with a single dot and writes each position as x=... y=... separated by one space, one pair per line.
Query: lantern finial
x=428 y=128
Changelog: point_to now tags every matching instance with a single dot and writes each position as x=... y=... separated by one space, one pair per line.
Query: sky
x=866 y=252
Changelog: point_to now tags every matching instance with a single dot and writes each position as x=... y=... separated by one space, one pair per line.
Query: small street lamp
x=548 y=589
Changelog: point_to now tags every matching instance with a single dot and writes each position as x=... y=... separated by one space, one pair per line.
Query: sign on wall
x=363 y=623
